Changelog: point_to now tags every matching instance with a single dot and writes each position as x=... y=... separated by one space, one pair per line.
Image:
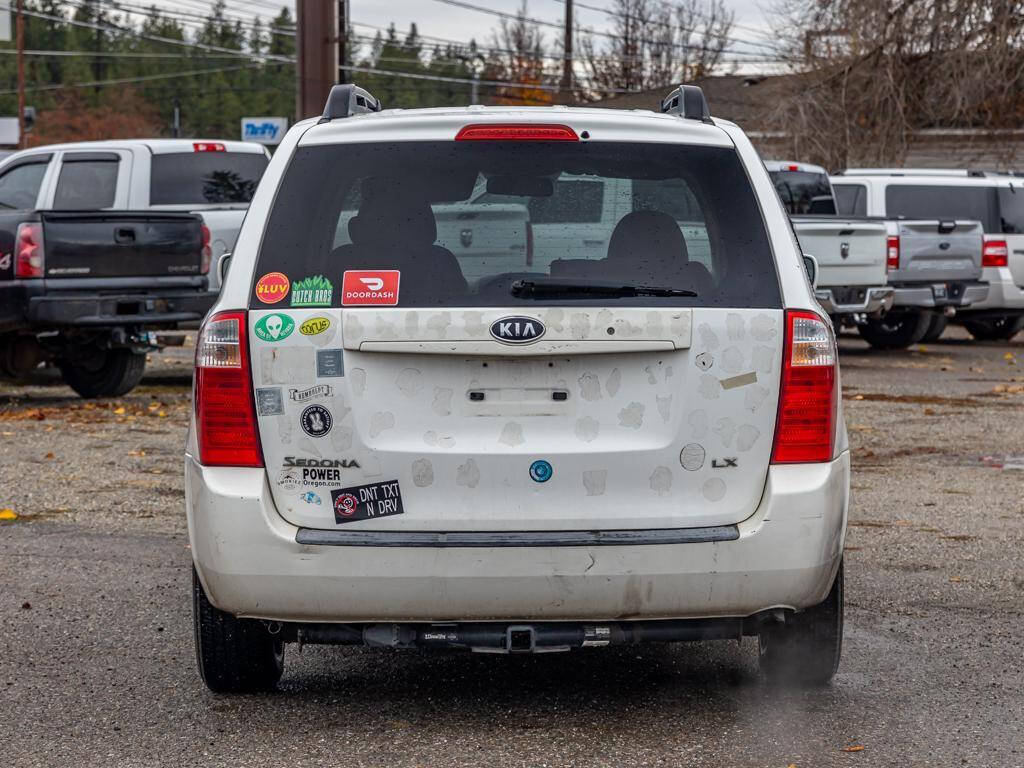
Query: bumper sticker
x=365 y=502
x=320 y=390
x=272 y=287
x=361 y=287
x=269 y=401
x=329 y=363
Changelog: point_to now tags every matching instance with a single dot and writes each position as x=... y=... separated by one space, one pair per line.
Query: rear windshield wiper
x=530 y=288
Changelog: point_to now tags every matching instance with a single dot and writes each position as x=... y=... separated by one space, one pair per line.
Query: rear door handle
x=123 y=235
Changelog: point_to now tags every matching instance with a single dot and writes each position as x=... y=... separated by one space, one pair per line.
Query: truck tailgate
x=849 y=252
x=938 y=251
x=122 y=244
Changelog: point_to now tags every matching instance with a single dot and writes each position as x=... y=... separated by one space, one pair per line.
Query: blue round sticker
x=540 y=471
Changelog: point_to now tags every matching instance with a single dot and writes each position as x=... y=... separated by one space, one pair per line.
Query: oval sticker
x=272 y=287
x=274 y=327
x=315 y=325
x=517 y=329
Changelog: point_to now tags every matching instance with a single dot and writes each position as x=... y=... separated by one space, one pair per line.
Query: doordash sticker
x=272 y=287
x=370 y=287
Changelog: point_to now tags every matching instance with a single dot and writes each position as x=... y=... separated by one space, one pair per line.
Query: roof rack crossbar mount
x=687 y=101
x=346 y=100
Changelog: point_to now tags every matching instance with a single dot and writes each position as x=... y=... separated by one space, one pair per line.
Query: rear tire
x=107 y=373
x=936 y=328
x=234 y=655
x=895 y=330
x=806 y=649
x=1002 y=328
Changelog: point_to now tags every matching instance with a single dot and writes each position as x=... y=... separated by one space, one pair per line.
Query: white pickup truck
x=214 y=179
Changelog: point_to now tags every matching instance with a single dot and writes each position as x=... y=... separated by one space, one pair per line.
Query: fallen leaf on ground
x=8 y=514
x=119 y=411
x=854 y=748
x=49 y=455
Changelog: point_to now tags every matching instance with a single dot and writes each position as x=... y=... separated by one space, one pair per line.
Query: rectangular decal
x=329 y=363
x=269 y=401
x=313 y=291
x=365 y=287
x=365 y=502
x=302 y=395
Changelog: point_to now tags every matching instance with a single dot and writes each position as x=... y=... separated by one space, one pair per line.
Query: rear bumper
x=1003 y=293
x=926 y=295
x=785 y=555
x=871 y=300
x=97 y=310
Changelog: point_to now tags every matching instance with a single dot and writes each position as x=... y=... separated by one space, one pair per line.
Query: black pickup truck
x=84 y=289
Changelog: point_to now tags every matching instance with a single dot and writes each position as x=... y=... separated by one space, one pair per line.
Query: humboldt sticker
x=304 y=395
x=316 y=421
x=313 y=291
x=314 y=325
x=365 y=502
x=329 y=362
x=272 y=287
x=269 y=401
x=361 y=287
x=274 y=327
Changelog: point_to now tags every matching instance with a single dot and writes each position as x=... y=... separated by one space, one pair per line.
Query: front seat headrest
x=646 y=236
x=382 y=221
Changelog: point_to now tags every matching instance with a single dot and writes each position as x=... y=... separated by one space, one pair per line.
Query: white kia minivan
x=403 y=440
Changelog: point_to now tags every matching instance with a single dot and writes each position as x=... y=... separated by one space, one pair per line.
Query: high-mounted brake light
x=995 y=253
x=792 y=167
x=28 y=250
x=892 y=252
x=208 y=146
x=806 y=427
x=225 y=411
x=517 y=132
x=206 y=255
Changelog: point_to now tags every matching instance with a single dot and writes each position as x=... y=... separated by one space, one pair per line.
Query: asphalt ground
x=97 y=665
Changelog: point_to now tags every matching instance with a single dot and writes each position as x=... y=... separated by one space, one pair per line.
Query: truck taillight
x=208 y=146
x=207 y=252
x=529 y=244
x=892 y=252
x=28 y=250
x=806 y=427
x=995 y=253
x=225 y=411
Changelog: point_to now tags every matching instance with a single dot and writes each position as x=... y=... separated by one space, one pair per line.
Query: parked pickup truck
x=83 y=289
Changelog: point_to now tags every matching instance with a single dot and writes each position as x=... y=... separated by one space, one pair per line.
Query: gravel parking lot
x=97 y=664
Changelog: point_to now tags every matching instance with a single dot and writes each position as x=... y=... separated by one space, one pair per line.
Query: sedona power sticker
x=272 y=287
x=360 y=287
x=274 y=327
x=365 y=502
x=317 y=472
x=315 y=291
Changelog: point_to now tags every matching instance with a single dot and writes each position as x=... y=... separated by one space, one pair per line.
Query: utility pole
x=342 y=41
x=567 y=92
x=20 y=35
x=316 y=52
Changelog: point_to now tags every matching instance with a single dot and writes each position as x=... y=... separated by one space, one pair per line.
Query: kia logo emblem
x=517 y=329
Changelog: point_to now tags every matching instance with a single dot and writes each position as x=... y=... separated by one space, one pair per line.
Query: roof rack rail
x=347 y=100
x=687 y=101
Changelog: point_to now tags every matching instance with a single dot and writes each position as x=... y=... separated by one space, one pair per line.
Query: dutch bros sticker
x=362 y=287
x=272 y=287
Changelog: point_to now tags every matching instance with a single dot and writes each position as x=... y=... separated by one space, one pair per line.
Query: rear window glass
x=203 y=178
x=85 y=185
x=912 y=201
x=462 y=222
x=1011 y=209
x=851 y=199
x=802 y=192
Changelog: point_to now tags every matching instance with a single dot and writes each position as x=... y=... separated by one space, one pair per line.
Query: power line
x=110 y=54
x=127 y=80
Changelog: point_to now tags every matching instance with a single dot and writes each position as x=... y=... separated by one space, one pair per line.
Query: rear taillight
x=28 y=250
x=529 y=244
x=517 y=132
x=208 y=146
x=995 y=253
x=806 y=427
x=207 y=252
x=225 y=412
x=892 y=252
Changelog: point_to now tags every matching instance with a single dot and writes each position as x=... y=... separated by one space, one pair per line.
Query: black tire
x=107 y=373
x=234 y=655
x=1001 y=328
x=895 y=330
x=936 y=328
x=806 y=649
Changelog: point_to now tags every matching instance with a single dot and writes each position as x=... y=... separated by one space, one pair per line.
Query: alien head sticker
x=316 y=421
x=364 y=287
x=274 y=327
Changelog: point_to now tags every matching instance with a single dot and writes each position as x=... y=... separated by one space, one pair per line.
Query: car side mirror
x=223 y=263
x=811 y=267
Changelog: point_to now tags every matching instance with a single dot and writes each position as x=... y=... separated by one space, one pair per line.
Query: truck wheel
x=806 y=649
x=936 y=328
x=234 y=655
x=895 y=330
x=109 y=373
x=1001 y=328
